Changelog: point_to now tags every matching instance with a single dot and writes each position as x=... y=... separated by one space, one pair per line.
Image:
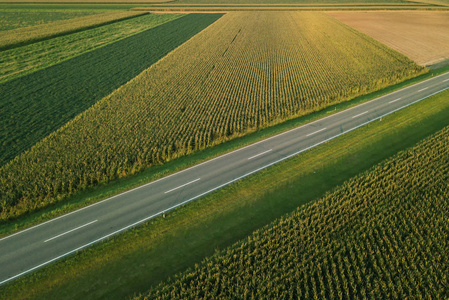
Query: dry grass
x=422 y=36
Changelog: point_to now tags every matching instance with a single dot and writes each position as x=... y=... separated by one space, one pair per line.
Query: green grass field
x=13 y=18
x=33 y=102
x=31 y=58
x=23 y=36
x=143 y=257
x=244 y=72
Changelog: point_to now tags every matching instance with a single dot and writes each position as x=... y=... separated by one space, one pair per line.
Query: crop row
x=245 y=71
x=381 y=235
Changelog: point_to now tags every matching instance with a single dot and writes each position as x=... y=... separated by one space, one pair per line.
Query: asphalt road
x=30 y=249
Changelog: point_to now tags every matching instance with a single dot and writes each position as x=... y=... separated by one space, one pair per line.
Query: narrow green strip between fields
x=12 y=19
x=33 y=102
x=101 y=192
x=19 y=37
x=129 y=263
x=29 y=59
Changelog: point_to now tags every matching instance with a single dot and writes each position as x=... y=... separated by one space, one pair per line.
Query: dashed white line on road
x=59 y=235
x=423 y=89
x=395 y=100
x=181 y=186
x=259 y=154
x=316 y=131
x=360 y=114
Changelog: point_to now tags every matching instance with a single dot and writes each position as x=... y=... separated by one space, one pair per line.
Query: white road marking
x=423 y=89
x=316 y=131
x=446 y=80
x=55 y=237
x=259 y=154
x=181 y=186
x=221 y=156
x=205 y=193
x=395 y=100
x=360 y=114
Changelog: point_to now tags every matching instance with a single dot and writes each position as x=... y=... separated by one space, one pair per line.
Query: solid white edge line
x=59 y=235
x=395 y=100
x=260 y=154
x=214 y=189
x=361 y=114
x=181 y=186
x=310 y=134
x=422 y=89
x=226 y=154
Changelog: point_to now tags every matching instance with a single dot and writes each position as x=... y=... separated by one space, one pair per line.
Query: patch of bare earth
x=421 y=35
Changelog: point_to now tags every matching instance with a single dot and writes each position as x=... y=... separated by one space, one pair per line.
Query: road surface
x=30 y=249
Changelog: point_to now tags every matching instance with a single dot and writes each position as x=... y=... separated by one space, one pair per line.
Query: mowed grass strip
x=246 y=71
x=31 y=34
x=35 y=105
x=24 y=60
x=140 y=258
x=384 y=234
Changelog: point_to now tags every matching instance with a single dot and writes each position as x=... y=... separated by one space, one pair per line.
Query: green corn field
x=381 y=235
x=246 y=71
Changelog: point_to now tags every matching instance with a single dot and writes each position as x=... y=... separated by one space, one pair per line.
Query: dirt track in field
x=422 y=36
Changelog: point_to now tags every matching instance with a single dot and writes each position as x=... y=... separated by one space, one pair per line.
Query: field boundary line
x=232 y=152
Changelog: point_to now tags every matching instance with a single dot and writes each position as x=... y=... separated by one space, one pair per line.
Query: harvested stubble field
x=245 y=71
x=421 y=35
x=33 y=102
x=27 y=35
x=382 y=235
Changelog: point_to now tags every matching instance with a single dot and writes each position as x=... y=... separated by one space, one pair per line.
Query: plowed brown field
x=422 y=36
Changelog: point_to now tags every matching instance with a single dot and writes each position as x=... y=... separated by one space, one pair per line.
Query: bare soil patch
x=421 y=35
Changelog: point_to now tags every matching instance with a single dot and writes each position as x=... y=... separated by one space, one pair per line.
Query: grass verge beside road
x=104 y=191
x=127 y=263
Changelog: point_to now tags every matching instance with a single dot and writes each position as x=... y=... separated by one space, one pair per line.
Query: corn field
x=382 y=235
x=246 y=71
x=41 y=102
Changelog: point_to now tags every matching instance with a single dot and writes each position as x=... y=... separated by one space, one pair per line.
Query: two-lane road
x=30 y=249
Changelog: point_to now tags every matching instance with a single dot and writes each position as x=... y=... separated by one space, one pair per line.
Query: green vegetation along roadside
x=33 y=102
x=245 y=71
x=384 y=234
x=31 y=58
x=27 y=35
x=17 y=18
x=115 y=187
x=132 y=262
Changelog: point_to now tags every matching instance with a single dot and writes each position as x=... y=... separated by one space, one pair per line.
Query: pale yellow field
x=422 y=36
